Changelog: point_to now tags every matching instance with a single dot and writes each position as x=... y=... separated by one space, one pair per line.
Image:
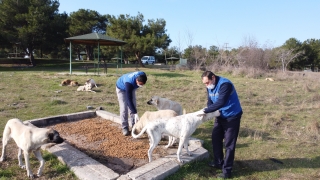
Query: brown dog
x=68 y=82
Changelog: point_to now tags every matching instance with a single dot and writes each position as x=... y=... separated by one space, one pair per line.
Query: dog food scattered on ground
x=103 y=141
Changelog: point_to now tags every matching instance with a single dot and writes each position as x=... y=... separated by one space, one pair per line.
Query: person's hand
x=201 y=112
x=136 y=118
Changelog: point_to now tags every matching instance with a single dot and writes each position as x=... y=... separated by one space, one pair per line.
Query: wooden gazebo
x=93 y=39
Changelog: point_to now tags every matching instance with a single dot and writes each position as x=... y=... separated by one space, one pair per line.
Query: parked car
x=148 y=60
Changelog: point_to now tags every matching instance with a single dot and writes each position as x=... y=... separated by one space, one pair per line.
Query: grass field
x=280 y=121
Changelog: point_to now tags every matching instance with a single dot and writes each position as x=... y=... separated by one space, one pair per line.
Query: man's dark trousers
x=227 y=129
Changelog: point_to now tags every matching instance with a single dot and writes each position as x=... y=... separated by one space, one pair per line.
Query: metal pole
x=121 y=58
x=98 y=56
x=70 y=58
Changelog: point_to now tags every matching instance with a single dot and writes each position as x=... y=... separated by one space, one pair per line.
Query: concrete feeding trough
x=86 y=167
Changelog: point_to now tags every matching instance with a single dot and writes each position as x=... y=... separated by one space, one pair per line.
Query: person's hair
x=208 y=74
x=142 y=78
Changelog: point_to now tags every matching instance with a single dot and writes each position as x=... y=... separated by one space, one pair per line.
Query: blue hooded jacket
x=228 y=104
x=127 y=83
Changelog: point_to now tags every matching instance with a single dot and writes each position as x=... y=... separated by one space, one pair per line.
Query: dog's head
x=54 y=137
x=88 y=86
x=153 y=101
x=65 y=82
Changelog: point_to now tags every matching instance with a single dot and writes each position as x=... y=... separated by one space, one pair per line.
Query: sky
x=223 y=23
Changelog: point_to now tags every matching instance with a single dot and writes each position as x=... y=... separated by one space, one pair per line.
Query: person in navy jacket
x=126 y=87
x=222 y=96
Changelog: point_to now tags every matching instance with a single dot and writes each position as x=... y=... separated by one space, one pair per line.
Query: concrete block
x=158 y=169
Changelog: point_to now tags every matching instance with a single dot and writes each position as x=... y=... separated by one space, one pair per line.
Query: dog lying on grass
x=163 y=103
x=28 y=138
x=89 y=84
x=68 y=82
x=86 y=87
x=149 y=116
x=92 y=82
x=181 y=127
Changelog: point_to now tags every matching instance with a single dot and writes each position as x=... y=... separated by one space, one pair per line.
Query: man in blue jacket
x=222 y=96
x=126 y=87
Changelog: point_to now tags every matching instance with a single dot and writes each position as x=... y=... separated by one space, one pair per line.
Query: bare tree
x=287 y=56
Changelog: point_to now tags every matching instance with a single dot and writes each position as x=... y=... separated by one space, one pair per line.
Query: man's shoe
x=224 y=176
x=125 y=132
x=211 y=164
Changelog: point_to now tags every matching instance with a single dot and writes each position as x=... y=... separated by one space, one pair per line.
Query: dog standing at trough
x=150 y=116
x=181 y=127
x=29 y=139
x=163 y=103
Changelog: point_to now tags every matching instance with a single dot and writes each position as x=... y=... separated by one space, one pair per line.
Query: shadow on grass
x=272 y=164
x=246 y=168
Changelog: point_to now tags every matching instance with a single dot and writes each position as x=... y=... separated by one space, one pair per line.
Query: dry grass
x=281 y=118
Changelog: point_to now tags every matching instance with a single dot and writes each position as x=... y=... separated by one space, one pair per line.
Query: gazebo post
x=70 y=58
x=98 y=56
x=121 y=58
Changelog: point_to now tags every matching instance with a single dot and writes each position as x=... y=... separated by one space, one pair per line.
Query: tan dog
x=29 y=139
x=181 y=127
x=163 y=103
x=269 y=79
x=68 y=82
x=149 y=116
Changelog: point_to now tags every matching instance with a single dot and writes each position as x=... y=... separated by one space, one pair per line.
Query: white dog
x=86 y=87
x=269 y=79
x=29 y=139
x=92 y=82
x=163 y=103
x=149 y=116
x=181 y=127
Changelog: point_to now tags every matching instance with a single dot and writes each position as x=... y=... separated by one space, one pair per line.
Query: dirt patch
x=103 y=141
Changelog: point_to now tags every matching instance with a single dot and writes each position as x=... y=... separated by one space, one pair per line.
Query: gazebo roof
x=94 y=38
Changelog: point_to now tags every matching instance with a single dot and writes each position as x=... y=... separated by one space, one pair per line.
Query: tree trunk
x=32 y=60
x=139 y=58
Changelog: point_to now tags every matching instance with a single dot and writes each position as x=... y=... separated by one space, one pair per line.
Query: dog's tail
x=138 y=135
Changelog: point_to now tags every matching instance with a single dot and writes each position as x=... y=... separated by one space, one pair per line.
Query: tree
x=26 y=22
x=142 y=39
x=311 y=48
x=286 y=56
x=84 y=22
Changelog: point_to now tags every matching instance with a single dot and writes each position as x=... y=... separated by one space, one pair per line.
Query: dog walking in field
x=181 y=127
x=163 y=103
x=28 y=138
x=149 y=116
